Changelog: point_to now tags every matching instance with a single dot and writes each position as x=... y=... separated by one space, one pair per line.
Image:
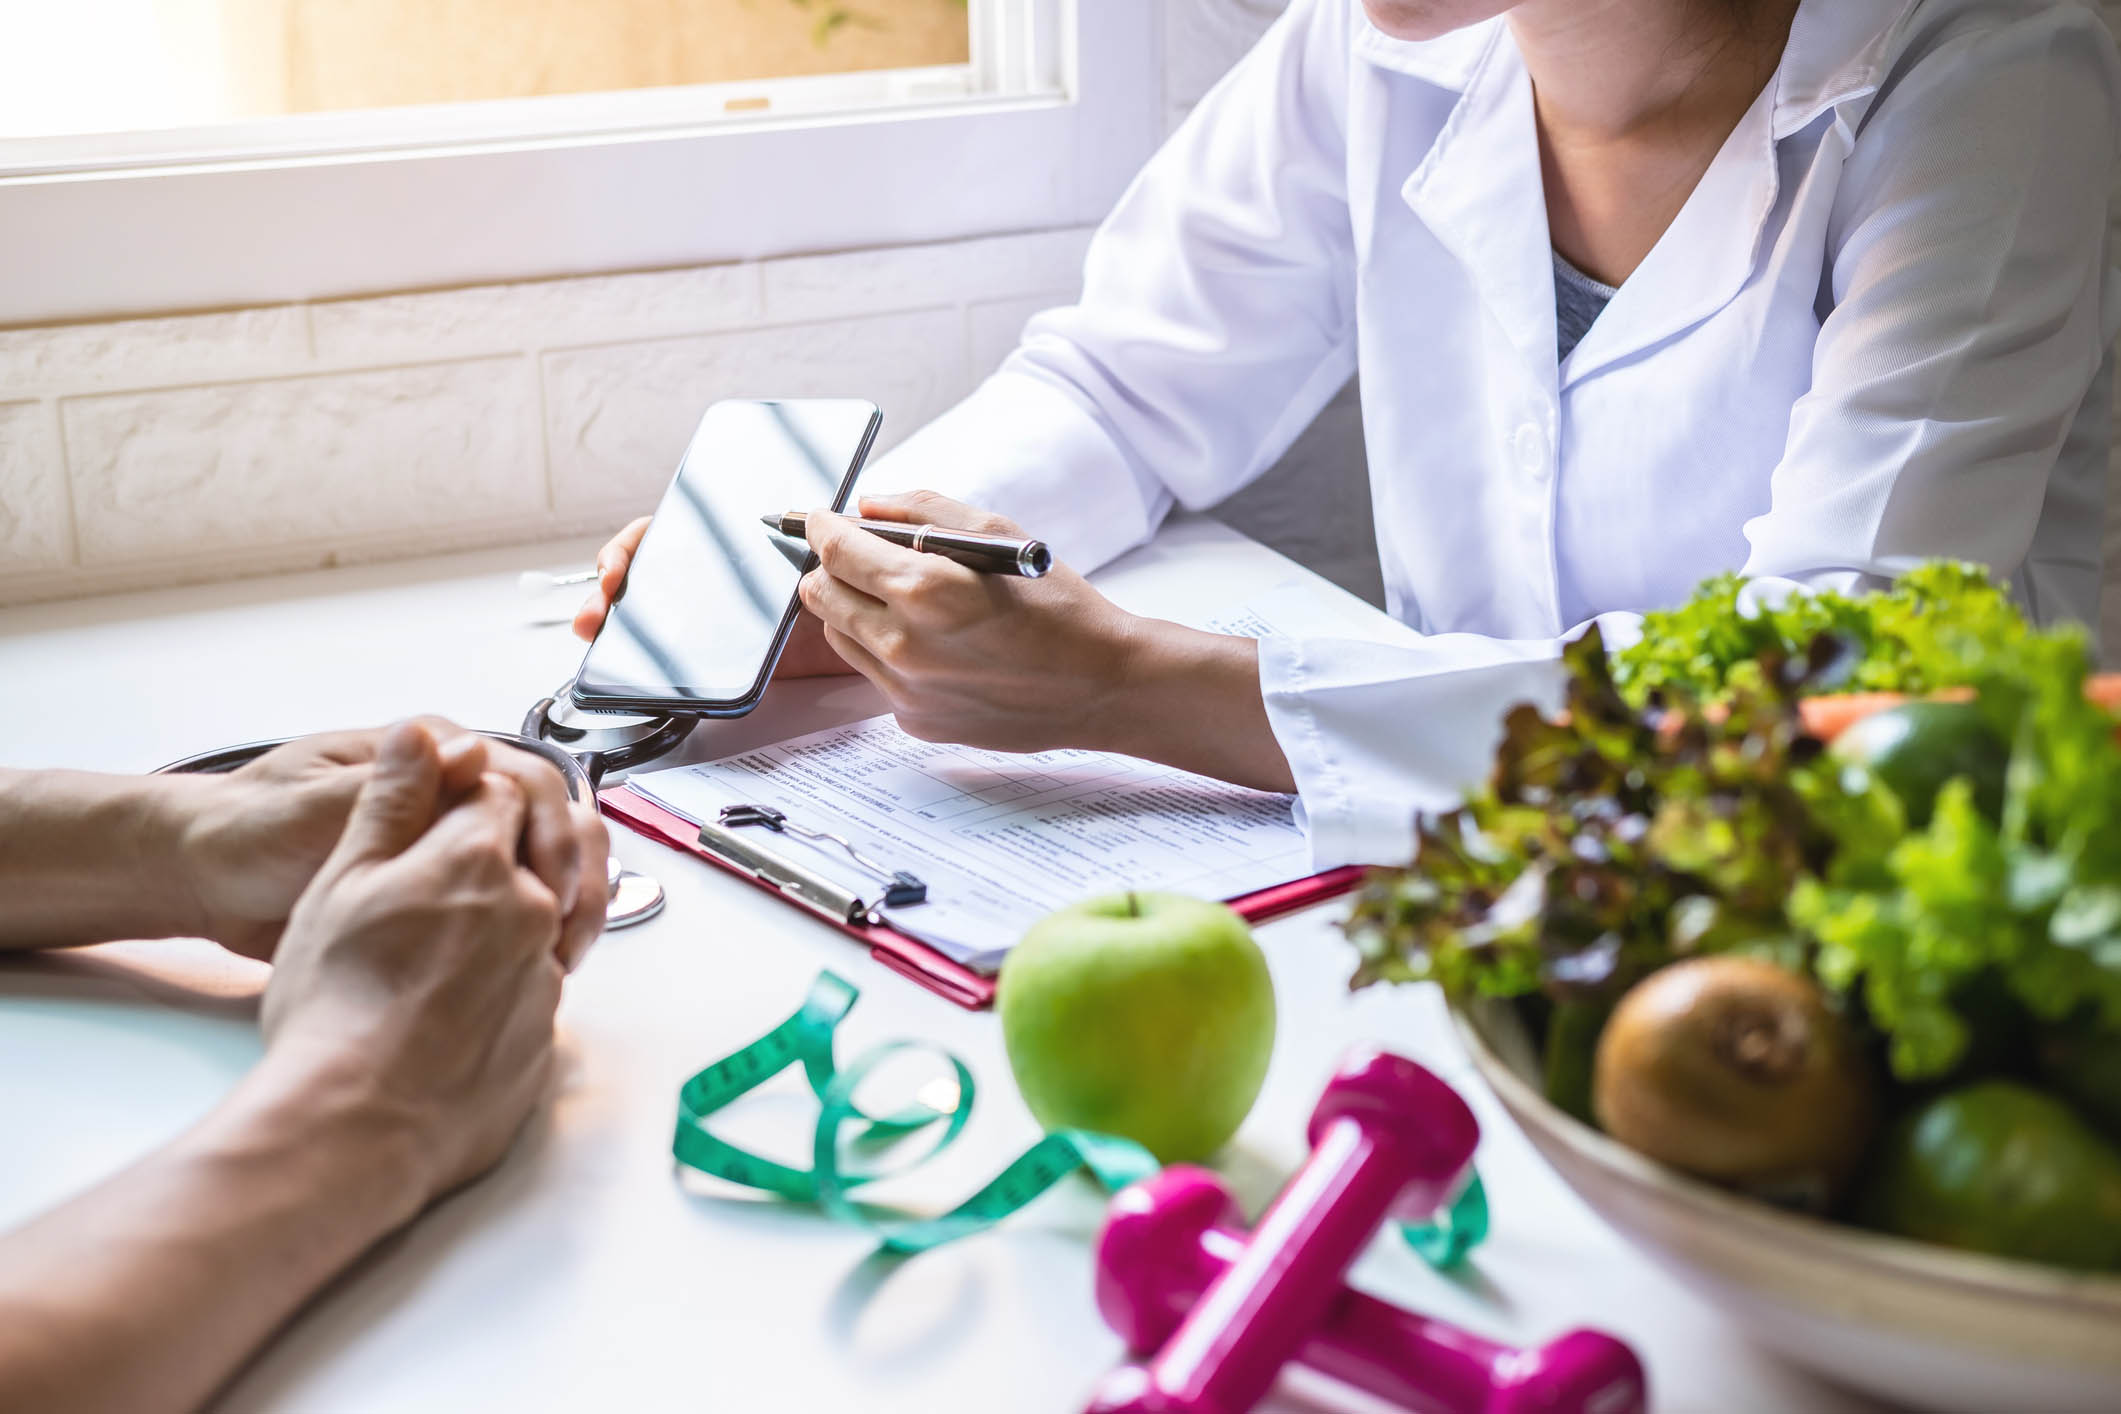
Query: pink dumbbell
x=1388 y=1139
x=1170 y=1236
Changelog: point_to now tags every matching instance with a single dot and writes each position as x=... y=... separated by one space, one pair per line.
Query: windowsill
x=369 y=215
x=501 y=125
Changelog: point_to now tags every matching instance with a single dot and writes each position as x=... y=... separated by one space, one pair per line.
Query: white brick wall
x=35 y=531
x=153 y=451
x=227 y=468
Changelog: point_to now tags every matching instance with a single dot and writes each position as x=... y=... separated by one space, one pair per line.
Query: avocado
x=2002 y=1168
x=1914 y=748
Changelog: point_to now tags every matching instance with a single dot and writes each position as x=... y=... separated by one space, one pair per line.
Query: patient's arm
x=85 y=858
x=409 y=1031
x=88 y=858
x=147 y=1291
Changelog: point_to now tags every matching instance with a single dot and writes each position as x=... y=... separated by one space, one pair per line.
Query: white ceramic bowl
x=1910 y=1322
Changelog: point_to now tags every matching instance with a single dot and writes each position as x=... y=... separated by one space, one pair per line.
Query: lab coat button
x=1531 y=450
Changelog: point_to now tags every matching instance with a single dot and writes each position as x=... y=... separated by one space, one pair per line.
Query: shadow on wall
x=1314 y=504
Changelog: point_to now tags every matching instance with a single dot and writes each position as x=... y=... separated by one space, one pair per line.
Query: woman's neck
x=1634 y=99
x=1609 y=70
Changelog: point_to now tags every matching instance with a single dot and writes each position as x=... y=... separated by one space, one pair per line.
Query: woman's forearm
x=147 y=1292
x=87 y=858
x=1191 y=699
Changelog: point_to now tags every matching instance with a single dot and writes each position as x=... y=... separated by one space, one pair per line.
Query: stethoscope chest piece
x=635 y=897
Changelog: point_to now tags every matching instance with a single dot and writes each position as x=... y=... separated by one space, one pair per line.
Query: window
x=104 y=66
x=168 y=154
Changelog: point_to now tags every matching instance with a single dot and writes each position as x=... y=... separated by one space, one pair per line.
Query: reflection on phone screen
x=710 y=588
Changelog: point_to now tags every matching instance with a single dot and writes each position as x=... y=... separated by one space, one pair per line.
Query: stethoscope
x=584 y=747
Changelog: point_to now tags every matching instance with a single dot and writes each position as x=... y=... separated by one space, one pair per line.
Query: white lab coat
x=1877 y=332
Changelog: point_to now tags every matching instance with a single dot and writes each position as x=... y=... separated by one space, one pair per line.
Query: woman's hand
x=612 y=563
x=988 y=660
x=806 y=655
x=1031 y=664
x=250 y=842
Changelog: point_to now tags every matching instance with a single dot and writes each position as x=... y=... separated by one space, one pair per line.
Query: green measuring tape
x=805 y=1039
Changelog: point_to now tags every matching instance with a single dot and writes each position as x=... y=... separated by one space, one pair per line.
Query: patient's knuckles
x=533 y=914
x=480 y=864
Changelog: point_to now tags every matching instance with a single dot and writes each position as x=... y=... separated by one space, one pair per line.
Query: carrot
x=2104 y=689
x=1828 y=717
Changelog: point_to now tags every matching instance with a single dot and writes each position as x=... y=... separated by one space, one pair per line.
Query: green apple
x=1144 y=1015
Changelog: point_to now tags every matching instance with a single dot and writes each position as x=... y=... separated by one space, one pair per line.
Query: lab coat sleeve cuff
x=1023 y=447
x=1377 y=734
x=1345 y=824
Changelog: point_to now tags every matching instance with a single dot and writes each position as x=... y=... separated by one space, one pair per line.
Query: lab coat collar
x=1447 y=62
x=1702 y=260
x=1838 y=52
x=1837 y=55
x=1481 y=192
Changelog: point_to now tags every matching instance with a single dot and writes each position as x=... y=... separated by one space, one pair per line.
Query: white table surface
x=582 y=1274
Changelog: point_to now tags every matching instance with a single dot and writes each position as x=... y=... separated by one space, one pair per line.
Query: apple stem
x=1134 y=905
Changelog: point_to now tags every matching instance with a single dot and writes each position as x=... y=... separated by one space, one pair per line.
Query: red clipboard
x=909 y=956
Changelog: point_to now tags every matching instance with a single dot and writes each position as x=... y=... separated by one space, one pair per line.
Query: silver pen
x=989 y=554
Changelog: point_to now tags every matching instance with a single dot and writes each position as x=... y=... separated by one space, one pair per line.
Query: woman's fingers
x=856 y=656
x=617 y=555
x=842 y=606
x=934 y=508
x=612 y=563
x=854 y=557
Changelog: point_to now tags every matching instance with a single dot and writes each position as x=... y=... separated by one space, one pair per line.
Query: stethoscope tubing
x=635 y=897
x=223 y=759
x=660 y=737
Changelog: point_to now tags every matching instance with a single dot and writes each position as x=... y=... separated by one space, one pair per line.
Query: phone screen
x=710 y=595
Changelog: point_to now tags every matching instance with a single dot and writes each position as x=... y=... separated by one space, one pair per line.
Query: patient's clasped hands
x=420 y=892
x=247 y=843
x=425 y=962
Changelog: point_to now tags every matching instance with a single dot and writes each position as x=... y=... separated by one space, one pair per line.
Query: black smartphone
x=710 y=597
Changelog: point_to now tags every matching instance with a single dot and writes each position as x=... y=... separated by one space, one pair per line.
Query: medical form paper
x=1001 y=840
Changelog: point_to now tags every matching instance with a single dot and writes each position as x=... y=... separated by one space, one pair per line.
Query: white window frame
x=1066 y=104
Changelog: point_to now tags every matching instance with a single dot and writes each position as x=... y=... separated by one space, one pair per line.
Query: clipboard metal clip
x=800 y=884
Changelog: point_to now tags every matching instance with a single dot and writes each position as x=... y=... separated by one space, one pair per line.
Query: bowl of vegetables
x=1794 y=944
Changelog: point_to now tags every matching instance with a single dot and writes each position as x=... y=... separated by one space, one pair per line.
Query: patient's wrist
x=169 y=808
x=311 y=1115
x=94 y=858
